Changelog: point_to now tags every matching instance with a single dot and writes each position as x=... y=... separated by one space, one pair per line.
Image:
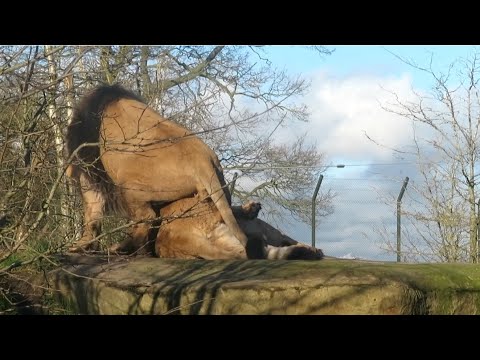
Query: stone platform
x=330 y=286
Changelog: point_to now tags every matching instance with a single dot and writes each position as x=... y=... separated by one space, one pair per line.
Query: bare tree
x=231 y=96
x=443 y=211
x=234 y=99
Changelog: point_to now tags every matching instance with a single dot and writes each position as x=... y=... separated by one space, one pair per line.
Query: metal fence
x=385 y=216
x=366 y=222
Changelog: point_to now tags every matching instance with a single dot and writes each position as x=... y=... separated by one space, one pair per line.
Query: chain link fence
x=364 y=222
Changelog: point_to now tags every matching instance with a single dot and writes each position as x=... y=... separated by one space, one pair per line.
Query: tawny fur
x=193 y=228
x=139 y=158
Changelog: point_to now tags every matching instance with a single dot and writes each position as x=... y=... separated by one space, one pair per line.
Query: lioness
x=193 y=228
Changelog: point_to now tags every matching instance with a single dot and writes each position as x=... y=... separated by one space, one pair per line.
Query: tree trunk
x=105 y=64
x=473 y=225
x=146 y=83
x=75 y=221
x=52 y=113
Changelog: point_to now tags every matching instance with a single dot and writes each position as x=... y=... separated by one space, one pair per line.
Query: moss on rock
x=169 y=286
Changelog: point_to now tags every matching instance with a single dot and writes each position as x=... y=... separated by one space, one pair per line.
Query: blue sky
x=344 y=100
x=366 y=59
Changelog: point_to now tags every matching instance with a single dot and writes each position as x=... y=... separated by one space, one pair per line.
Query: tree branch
x=193 y=73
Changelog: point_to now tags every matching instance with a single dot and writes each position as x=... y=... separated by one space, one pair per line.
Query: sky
x=345 y=97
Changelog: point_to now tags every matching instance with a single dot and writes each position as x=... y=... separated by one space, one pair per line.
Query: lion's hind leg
x=247 y=211
x=94 y=208
x=141 y=234
x=294 y=252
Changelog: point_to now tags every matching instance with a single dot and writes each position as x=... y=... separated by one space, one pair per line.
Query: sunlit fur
x=193 y=228
x=137 y=158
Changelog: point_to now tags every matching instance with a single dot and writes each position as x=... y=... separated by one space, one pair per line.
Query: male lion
x=193 y=228
x=128 y=158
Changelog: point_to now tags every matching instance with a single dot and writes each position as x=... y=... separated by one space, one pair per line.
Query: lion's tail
x=218 y=194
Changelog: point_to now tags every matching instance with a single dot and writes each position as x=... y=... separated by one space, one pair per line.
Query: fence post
x=320 y=179
x=232 y=185
x=478 y=231
x=399 y=202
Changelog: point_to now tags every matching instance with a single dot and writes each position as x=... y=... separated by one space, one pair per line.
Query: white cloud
x=350 y=256
x=343 y=109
